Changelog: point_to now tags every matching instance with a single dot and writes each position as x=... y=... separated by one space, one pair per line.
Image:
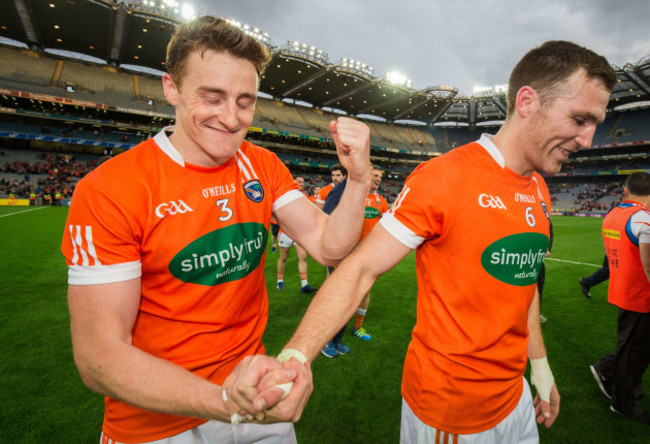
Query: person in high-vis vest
x=626 y=233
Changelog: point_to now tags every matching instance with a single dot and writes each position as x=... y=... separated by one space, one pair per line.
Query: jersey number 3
x=226 y=211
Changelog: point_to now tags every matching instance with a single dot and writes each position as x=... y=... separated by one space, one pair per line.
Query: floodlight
x=187 y=11
x=358 y=66
x=256 y=33
x=305 y=49
x=482 y=90
x=397 y=78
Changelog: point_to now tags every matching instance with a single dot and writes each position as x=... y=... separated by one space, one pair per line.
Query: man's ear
x=170 y=89
x=527 y=101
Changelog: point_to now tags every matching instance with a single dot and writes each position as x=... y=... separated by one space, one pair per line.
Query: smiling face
x=375 y=180
x=301 y=183
x=215 y=104
x=563 y=125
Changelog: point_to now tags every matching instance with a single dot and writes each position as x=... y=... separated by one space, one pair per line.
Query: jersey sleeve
x=418 y=212
x=640 y=226
x=285 y=188
x=99 y=243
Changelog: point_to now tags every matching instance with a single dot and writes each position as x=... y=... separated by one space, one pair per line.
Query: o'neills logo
x=371 y=213
x=221 y=256
x=516 y=259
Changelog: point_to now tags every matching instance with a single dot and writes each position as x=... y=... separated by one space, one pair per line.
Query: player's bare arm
x=329 y=239
x=547 y=399
x=102 y=318
x=335 y=302
x=352 y=139
x=341 y=293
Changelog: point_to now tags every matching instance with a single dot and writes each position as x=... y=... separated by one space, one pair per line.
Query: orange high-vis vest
x=629 y=288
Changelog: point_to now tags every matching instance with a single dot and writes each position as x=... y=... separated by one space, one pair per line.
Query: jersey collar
x=162 y=140
x=486 y=142
x=632 y=203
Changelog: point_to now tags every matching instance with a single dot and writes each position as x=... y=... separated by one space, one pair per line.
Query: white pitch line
x=572 y=262
x=25 y=211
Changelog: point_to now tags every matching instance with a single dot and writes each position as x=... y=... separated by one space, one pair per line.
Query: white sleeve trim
x=400 y=231
x=286 y=198
x=103 y=274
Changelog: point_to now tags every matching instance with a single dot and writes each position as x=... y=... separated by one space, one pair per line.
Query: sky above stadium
x=462 y=43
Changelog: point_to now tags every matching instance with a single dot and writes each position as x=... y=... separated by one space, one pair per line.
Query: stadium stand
x=56 y=105
x=27 y=70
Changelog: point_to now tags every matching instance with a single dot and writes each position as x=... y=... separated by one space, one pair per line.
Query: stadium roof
x=128 y=33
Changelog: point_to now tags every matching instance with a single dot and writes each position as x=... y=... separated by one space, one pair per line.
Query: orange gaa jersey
x=322 y=194
x=481 y=232
x=196 y=237
x=376 y=205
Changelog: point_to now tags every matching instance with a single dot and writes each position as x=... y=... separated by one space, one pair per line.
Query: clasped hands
x=264 y=389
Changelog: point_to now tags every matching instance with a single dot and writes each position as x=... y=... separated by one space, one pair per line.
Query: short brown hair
x=207 y=32
x=638 y=183
x=547 y=66
x=339 y=167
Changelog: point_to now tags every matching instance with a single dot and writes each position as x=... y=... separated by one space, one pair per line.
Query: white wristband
x=285 y=355
x=541 y=377
x=235 y=418
x=289 y=353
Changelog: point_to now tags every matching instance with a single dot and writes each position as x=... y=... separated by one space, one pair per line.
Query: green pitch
x=356 y=397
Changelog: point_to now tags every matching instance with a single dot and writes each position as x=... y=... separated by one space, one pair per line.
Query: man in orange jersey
x=338 y=173
x=285 y=243
x=626 y=232
x=376 y=205
x=314 y=195
x=165 y=246
x=478 y=217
